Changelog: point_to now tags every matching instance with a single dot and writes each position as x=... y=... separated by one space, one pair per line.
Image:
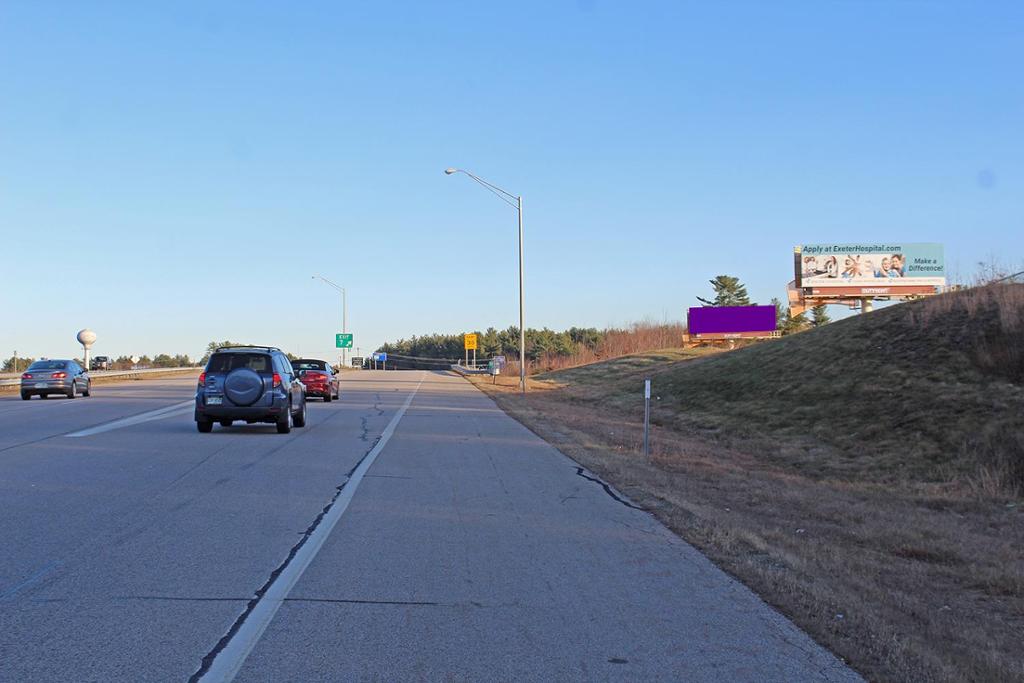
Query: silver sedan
x=45 y=377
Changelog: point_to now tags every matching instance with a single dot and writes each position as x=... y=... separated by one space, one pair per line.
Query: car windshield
x=309 y=364
x=49 y=365
x=226 y=362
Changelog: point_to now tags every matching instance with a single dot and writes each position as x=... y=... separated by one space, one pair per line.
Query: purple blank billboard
x=731 y=319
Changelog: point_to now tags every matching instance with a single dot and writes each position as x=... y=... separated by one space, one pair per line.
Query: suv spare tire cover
x=243 y=386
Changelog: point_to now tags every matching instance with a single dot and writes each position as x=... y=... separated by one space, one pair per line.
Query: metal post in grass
x=647 y=418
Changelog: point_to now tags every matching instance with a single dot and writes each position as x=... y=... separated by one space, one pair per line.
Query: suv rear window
x=309 y=364
x=226 y=362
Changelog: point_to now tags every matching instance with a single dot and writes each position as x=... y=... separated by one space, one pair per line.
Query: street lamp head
x=449 y=171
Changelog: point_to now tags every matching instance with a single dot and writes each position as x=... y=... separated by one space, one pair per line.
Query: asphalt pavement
x=411 y=531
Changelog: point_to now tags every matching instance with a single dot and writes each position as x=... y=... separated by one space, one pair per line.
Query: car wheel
x=88 y=389
x=73 y=391
x=25 y=396
x=300 y=419
x=327 y=396
x=44 y=396
x=226 y=423
x=284 y=423
x=204 y=426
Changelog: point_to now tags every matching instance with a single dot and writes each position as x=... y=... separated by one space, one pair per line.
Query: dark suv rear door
x=251 y=385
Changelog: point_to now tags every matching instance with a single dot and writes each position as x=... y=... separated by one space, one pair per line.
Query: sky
x=176 y=173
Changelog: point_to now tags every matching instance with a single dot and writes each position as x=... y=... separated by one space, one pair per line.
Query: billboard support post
x=647 y=418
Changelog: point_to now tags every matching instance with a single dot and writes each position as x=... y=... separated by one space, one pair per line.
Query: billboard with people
x=870 y=266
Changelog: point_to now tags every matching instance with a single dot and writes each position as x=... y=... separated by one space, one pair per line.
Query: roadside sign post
x=342 y=340
x=469 y=343
x=647 y=417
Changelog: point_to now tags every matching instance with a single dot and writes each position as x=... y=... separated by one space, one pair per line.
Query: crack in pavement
x=608 y=490
x=338 y=601
x=207 y=661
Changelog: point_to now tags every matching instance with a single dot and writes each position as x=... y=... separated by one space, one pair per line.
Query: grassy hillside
x=864 y=477
x=929 y=392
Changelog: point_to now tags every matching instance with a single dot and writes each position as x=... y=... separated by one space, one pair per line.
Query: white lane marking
x=229 y=660
x=176 y=409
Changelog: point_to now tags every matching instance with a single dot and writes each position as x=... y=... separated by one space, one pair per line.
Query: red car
x=318 y=377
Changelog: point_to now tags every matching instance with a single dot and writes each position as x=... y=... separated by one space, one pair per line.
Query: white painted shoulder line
x=229 y=660
x=176 y=409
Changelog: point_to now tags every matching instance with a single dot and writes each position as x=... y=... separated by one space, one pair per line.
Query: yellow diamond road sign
x=469 y=341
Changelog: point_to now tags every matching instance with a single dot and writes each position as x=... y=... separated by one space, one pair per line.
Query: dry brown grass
x=905 y=560
x=614 y=343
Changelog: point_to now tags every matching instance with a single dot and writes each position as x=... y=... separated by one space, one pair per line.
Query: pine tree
x=795 y=323
x=819 y=316
x=787 y=323
x=781 y=314
x=729 y=291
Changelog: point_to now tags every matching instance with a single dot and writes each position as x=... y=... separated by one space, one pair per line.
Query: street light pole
x=516 y=202
x=522 y=326
x=344 y=310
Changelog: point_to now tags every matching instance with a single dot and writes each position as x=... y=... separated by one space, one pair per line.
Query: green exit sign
x=343 y=341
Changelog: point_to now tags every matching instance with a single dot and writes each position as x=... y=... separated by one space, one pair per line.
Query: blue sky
x=175 y=174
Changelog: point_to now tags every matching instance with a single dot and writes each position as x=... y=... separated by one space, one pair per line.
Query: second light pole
x=516 y=202
x=344 y=310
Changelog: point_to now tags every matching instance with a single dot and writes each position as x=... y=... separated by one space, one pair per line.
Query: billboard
x=870 y=269
x=724 y=322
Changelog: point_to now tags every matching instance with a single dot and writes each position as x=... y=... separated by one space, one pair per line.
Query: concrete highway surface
x=410 y=532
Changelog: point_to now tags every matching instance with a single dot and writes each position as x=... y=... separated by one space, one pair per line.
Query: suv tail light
x=26 y=375
x=202 y=378
x=59 y=375
x=277 y=380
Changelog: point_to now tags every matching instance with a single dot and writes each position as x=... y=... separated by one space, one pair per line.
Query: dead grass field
x=864 y=478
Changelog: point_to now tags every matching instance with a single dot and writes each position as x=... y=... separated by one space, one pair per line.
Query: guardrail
x=108 y=374
x=462 y=370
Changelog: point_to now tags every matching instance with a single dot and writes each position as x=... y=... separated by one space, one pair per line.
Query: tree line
x=546 y=349
x=492 y=342
x=161 y=360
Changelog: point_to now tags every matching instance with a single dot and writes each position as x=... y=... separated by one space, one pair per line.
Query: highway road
x=412 y=531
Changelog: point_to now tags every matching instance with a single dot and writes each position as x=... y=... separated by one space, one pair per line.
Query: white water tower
x=86 y=338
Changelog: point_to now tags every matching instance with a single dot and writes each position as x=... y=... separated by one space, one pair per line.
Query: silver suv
x=253 y=384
